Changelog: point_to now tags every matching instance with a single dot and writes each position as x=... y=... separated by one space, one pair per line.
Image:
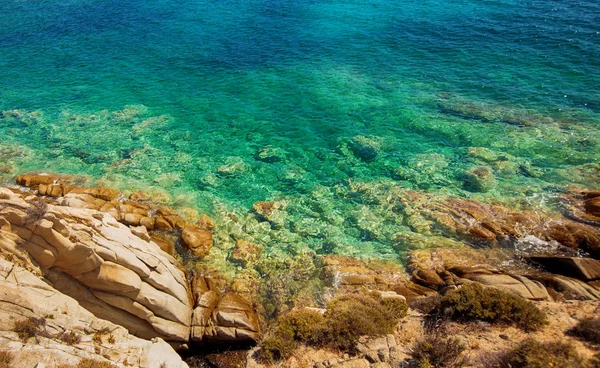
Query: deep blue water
x=179 y=98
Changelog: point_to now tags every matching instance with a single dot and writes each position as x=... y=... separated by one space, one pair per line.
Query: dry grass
x=30 y=327
x=35 y=212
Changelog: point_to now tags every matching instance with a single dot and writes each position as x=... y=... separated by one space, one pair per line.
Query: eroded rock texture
x=65 y=333
x=112 y=270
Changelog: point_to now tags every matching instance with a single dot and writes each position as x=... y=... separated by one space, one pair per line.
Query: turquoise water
x=324 y=105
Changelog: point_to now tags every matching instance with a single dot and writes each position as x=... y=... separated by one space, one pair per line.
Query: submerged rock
x=365 y=148
x=480 y=179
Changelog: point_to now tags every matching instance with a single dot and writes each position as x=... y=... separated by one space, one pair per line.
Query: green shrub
x=588 y=329
x=347 y=318
x=434 y=351
x=30 y=327
x=301 y=325
x=276 y=347
x=474 y=302
x=350 y=316
x=533 y=354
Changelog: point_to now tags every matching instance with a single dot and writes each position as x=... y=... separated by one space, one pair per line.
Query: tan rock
x=20 y=296
x=112 y=270
x=197 y=240
x=206 y=223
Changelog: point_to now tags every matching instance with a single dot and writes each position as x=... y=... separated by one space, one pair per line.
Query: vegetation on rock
x=533 y=354
x=347 y=318
x=588 y=329
x=474 y=302
x=6 y=358
x=435 y=351
x=30 y=327
x=35 y=212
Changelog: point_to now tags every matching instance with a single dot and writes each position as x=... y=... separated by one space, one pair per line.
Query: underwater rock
x=234 y=166
x=198 y=240
x=480 y=179
x=483 y=154
x=582 y=205
x=269 y=154
x=245 y=252
x=365 y=148
x=273 y=212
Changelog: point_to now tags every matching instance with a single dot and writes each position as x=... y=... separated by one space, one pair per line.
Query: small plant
x=91 y=363
x=70 y=338
x=97 y=338
x=6 y=358
x=35 y=212
x=474 y=302
x=534 y=354
x=30 y=327
x=588 y=329
x=435 y=351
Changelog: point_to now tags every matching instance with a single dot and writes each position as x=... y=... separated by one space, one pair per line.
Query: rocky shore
x=88 y=274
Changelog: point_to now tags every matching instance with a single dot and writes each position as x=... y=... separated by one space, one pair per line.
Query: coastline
x=481 y=249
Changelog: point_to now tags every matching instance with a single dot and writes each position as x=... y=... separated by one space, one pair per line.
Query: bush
x=276 y=347
x=434 y=351
x=30 y=327
x=301 y=325
x=353 y=315
x=533 y=354
x=5 y=359
x=474 y=302
x=347 y=318
x=588 y=329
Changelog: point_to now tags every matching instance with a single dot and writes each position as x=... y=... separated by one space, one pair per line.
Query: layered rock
x=65 y=333
x=444 y=269
x=493 y=225
x=221 y=317
x=112 y=270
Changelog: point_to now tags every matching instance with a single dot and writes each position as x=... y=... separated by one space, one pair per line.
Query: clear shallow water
x=219 y=104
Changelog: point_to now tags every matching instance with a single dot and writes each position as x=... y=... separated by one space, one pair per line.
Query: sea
x=326 y=107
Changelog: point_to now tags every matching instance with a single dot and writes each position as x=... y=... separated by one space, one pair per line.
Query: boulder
x=222 y=318
x=586 y=269
x=197 y=240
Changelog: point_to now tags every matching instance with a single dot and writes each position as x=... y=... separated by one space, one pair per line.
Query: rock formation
x=62 y=332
